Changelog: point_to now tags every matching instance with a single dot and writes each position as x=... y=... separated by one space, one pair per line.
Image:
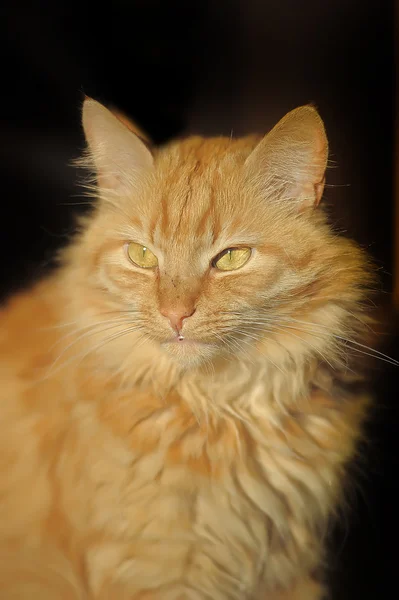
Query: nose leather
x=177 y=316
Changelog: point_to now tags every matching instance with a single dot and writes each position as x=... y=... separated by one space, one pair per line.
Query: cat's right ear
x=120 y=158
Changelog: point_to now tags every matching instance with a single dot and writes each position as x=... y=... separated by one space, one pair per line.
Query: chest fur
x=165 y=494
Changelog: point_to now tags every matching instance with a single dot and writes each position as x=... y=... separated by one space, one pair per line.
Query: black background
x=214 y=68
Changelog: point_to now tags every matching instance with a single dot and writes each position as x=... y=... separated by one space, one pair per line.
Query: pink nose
x=177 y=316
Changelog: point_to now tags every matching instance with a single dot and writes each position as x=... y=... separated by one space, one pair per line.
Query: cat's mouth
x=188 y=351
x=180 y=340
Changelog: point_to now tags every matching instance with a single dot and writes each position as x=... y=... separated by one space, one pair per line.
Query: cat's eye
x=141 y=256
x=232 y=259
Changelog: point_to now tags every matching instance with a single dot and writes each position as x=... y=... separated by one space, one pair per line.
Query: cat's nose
x=177 y=316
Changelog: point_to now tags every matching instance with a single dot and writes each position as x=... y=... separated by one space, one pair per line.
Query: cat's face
x=213 y=245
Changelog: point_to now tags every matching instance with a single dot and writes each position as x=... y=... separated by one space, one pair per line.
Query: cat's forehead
x=197 y=192
x=205 y=152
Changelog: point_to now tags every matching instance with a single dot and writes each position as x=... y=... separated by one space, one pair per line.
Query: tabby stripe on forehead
x=204 y=219
x=188 y=194
x=165 y=215
x=208 y=213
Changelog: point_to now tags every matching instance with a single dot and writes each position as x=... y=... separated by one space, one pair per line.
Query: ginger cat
x=179 y=401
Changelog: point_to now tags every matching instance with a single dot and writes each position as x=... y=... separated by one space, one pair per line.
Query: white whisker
x=86 y=353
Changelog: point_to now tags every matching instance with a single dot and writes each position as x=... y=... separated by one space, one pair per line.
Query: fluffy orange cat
x=179 y=400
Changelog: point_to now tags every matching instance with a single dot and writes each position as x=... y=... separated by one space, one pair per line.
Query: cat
x=180 y=398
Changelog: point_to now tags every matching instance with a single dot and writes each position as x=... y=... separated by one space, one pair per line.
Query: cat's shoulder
x=30 y=317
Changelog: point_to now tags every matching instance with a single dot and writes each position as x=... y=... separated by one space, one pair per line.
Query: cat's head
x=217 y=247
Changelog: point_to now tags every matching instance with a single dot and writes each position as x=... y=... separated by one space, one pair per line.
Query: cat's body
x=202 y=464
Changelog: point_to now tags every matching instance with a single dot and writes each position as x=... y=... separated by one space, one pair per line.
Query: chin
x=190 y=354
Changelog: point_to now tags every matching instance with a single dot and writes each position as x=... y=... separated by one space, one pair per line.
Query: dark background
x=215 y=68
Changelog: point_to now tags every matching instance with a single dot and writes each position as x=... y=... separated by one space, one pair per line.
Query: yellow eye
x=141 y=256
x=231 y=259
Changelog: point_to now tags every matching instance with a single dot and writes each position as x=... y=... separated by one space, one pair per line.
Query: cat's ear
x=291 y=160
x=130 y=124
x=119 y=156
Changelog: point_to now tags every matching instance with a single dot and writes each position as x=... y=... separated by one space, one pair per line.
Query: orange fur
x=135 y=466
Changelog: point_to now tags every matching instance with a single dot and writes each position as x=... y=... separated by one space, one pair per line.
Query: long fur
x=135 y=469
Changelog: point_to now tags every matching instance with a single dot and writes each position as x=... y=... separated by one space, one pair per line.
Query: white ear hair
x=119 y=156
x=294 y=157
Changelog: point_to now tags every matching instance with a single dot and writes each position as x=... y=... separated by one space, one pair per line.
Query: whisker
x=90 y=326
x=108 y=339
x=310 y=328
x=276 y=330
x=69 y=323
x=87 y=331
x=392 y=361
x=348 y=340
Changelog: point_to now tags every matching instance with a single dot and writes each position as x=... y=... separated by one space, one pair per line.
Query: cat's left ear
x=291 y=160
x=119 y=156
x=130 y=124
